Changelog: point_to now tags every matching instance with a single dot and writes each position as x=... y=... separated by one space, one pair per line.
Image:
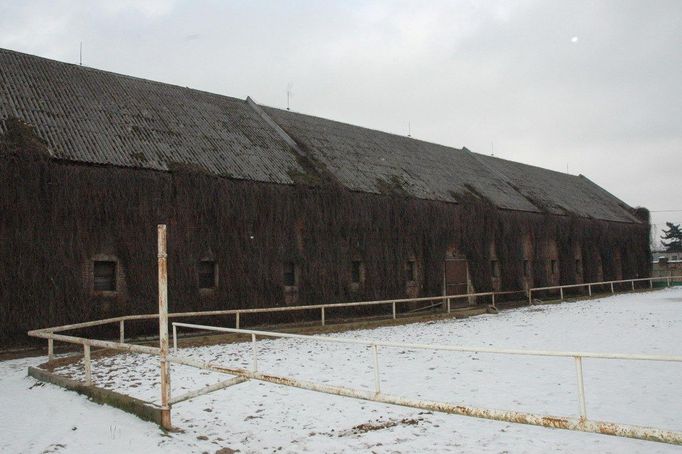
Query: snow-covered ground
x=258 y=417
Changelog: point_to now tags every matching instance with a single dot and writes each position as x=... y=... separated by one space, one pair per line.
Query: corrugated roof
x=98 y=117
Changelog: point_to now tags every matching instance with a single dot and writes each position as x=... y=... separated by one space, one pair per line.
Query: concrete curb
x=139 y=408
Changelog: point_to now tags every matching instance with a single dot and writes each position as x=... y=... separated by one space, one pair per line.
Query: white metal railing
x=669 y=280
x=445 y=299
x=582 y=423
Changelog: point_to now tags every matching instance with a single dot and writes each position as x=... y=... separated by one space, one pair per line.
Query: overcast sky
x=595 y=85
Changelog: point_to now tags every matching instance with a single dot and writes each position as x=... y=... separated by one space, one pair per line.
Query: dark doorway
x=456 y=276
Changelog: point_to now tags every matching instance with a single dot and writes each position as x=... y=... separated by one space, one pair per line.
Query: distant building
x=265 y=207
x=669 y=256
x=666 y=264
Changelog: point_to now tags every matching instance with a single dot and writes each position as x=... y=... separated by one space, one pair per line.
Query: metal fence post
x=236 y=321
x=612 y=291
x=88 y=364
x=50 y=349
x=377 y=383
x=651 y=283
x=530 y=296
x=633 y=286
x=561 y=293
x=175 y=338
x=493 y=299
x=393 y=304
x=254 y=351
x=581 y=388
x=163 y=328
x=589 y=289
x=448 y=305
x=121 y=331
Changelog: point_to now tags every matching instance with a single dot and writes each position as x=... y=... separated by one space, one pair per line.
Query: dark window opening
x=526 y=268
x=104 y=276
x=207 y=274
x=578 y=267
x=356 y=272
x=554 y=267
x=289 y=274
x=495 y=268
x=411 y=271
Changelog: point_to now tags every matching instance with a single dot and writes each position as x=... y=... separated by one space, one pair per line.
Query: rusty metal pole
x=87 y=364
x=163 y=328
x=581 y=389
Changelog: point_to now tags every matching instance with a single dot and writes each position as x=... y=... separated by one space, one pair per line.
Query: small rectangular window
x=578 y=267
x=411 y=271
x=554 y=267
x=495 y=268
x=289 y=274
x=674 y=257
x=207 y=274
x=356 y=272
x=104 y=276
x=526 y=268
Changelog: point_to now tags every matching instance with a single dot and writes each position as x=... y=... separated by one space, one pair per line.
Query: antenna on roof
x=492 y=149
x=80 y=54
x=409 y=129
x=289 y=87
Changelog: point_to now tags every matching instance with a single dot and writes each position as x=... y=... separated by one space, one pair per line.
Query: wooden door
x=456 y=277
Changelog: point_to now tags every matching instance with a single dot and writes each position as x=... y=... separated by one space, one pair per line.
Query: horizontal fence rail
x=582 y=423
x=445 y=299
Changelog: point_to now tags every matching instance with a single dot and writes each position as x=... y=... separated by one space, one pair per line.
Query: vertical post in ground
x=322 y=315
x=121 y=331
x=448 y=305
x=50 y=349
x=530 y=297
x=88 y=365
x=633 y=286
x=394 y=309
x=377 y=382
x=254 y=351
x=236 y=320
x=493 y=299
x=163 y=328
x=175 y=338
x=581 y=388
x=589 y=290
x=651 y=283
x=561 y=293
x=612 y=291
